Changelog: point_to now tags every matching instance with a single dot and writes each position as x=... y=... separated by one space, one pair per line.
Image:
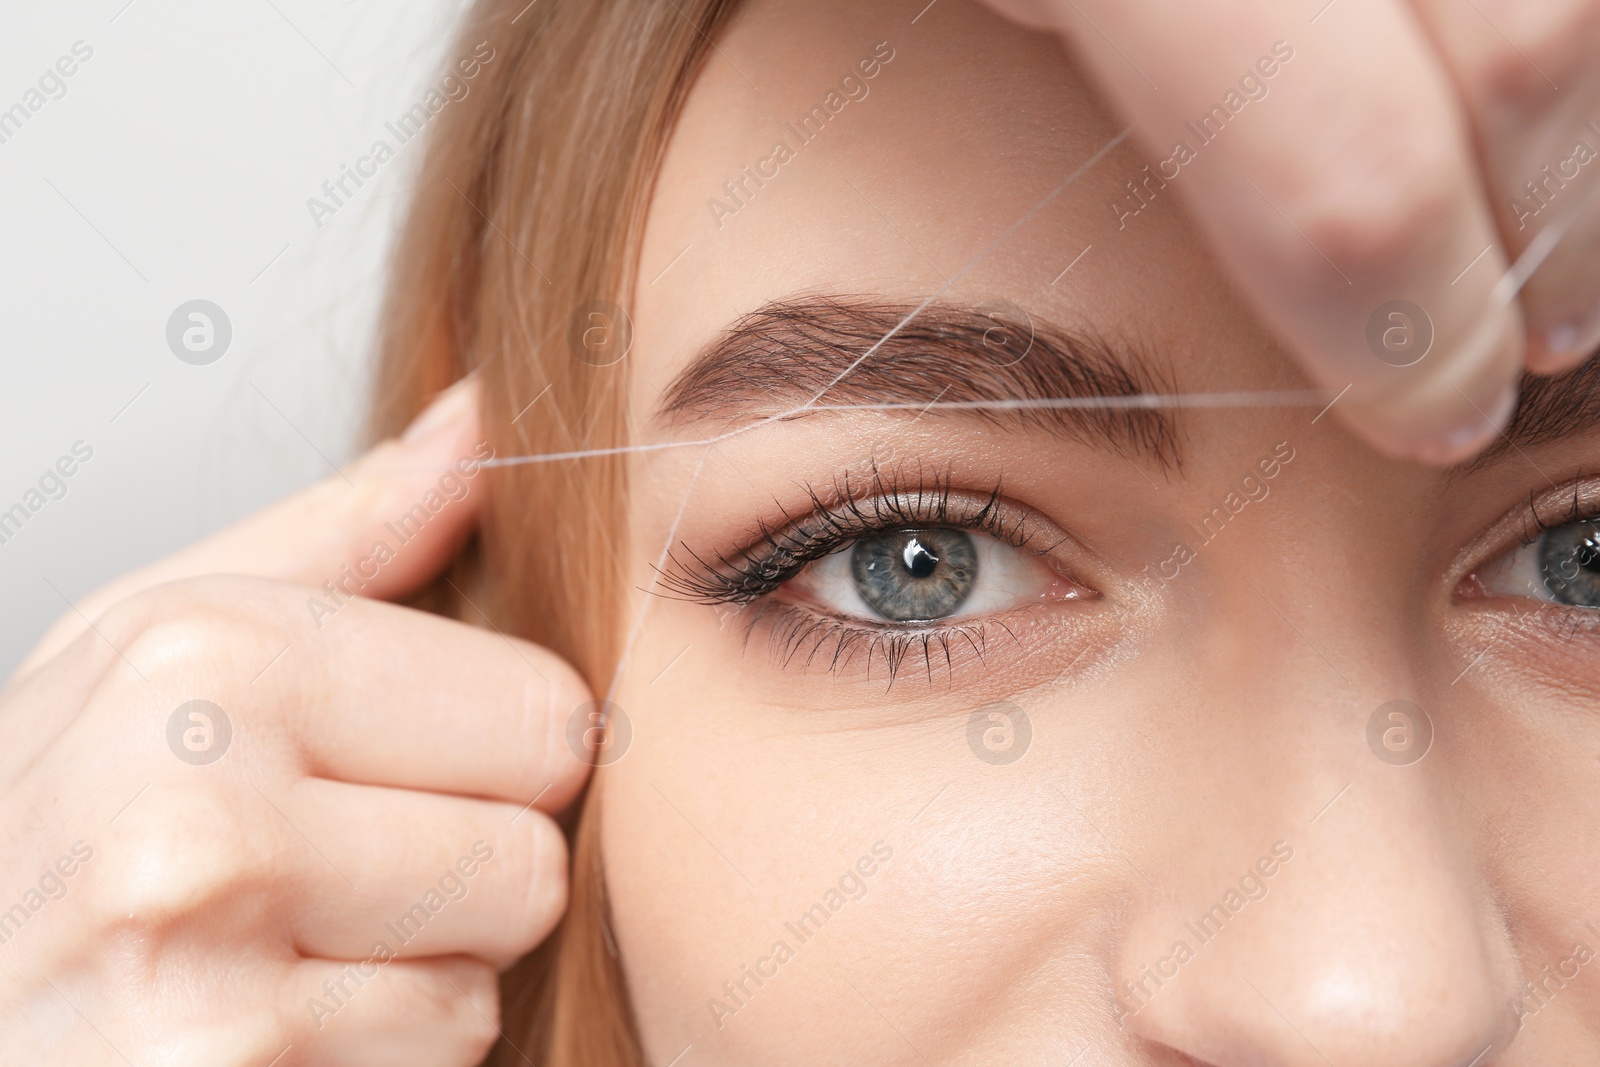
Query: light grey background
x=177 y=166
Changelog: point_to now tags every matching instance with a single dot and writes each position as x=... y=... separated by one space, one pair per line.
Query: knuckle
x=1531 y=44
x=460 y=997
x=1379 y=202
x=209 y=622
x=545 y=753
x=474 y=1014
x=245 y=1036
x=1504 y=72
x=544 y=883
x=174 y=855
x=540 y=733
x=531 y=737
x=537 y=871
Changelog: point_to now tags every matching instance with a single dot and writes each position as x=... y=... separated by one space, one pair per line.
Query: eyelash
x=1578 y=501
x=750 y=574
x=1576 y=511
x=1580 y=620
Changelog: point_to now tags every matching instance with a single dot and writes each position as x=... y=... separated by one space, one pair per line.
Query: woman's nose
x=1342 y=913
x=1368 y=943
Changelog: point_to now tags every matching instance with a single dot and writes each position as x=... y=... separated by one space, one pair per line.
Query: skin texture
x=189 y=910
x=1406 y=159
x=1181 y=730
x=1199 y=710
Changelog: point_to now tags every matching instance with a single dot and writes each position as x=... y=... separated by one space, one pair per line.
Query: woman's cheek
x=770 y=870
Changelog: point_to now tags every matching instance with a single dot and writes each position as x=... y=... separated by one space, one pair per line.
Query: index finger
x=361 y=691
x=1325 y=155
x=411 y=700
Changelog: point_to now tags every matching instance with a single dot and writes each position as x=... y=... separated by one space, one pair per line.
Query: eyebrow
x=804 y=357
x=1548 y=410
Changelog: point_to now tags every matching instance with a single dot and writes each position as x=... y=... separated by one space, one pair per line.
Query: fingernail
x=1473 y=394
x=1561 y=339
x=1564 y=345
x=1486 y=423
x=447 y=409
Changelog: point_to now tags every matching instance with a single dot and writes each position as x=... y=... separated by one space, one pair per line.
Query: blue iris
x=915 y=575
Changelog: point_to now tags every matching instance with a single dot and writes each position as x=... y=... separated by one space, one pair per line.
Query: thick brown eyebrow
x=783 y=355
x=1548 y=410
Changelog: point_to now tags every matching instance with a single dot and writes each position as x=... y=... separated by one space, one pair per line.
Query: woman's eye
x=1561 y=567
x=928 y=575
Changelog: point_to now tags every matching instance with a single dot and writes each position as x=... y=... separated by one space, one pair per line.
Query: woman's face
x=964 y=733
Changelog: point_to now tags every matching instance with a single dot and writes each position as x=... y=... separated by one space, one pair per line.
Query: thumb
x=1344 y=206
x=381 y=528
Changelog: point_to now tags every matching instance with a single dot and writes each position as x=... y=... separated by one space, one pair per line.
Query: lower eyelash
x=795 y=629
x=746 y=578
x=1561 y=623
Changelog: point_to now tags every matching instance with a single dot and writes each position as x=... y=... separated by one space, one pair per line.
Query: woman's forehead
x=846 y=149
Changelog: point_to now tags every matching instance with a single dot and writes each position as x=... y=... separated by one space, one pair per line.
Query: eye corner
x=1471 y=586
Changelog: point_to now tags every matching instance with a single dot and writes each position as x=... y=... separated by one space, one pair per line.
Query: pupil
x=915 y=575
x=1570 y=558
x=918 y=560
x=1588 y=554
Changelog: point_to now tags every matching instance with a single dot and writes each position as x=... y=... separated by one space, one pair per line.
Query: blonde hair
x=528 y=210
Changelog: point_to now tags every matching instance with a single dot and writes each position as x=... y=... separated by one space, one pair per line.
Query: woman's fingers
x=380 y=528
x=295 y=767
x=1329 y=159
x=369 y=693
x=1561 y=301
x=368 y=1013
x=1528 y=77
x=384 y=695
x=411 y=875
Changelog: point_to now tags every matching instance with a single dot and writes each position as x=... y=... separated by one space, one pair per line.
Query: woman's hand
x=1406 y=150
x=244 y=817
